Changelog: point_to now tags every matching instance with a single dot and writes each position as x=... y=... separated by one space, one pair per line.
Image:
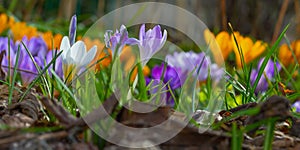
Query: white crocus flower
x=75 y=57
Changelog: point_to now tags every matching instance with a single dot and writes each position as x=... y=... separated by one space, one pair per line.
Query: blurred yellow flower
x=53 y=42
x=20 y=29
x=209 y=38
x=224 y=41
x=5 y=22
x=285 y=54
x=249 y=49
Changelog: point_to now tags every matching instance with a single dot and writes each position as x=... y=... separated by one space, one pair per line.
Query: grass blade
x=11 y=88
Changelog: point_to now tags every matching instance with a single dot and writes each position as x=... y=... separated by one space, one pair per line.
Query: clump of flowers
x=249 y=49
x=27 y=69
x=179 y=66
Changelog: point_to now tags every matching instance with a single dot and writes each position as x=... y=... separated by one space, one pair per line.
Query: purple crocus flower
x=27 y=69
x=72 y=29
x=196 y=63
x=269 y=72
x=297 y=106
x=119 y=38
x=58 y=63
x=170 y=77
x=36 y=46
x=151 y=41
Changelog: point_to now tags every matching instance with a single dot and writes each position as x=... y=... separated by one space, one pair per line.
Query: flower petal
x=89 y=56
x=77 y=51
x=65 y=47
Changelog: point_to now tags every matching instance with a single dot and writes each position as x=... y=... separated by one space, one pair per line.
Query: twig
x=278 y=25
x=109 y=106
x=64 y=117
x=17 y=138
x=68 y=121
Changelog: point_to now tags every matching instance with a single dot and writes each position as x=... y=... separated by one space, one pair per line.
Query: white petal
x=65 y=43
x=89 y=56
x=78 y=50
x=65 y=47
x=68 y=60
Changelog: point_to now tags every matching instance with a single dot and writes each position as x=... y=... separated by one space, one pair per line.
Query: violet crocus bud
x=72 y=29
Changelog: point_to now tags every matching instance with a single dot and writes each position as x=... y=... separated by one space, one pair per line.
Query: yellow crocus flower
x=209 y=38
x=285 y=54
x=5 y=22
x=249 y=49
x=20 y=29
x=224 y=41
x=52 y=42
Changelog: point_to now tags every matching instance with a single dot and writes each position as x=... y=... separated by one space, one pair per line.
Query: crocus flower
x=269 y=73
x=20 y=29
x=151 y=41
x=221 y=42
x=38 y=49
x=249 y=49
x=118 y=40
x=5 y=22
x=297 y=106
x=52 y=41
x=28 y=70
x=36 y=46
x=170 y=77
x=224 y=40
x=75 y=57
x=191 y=62
x=285 y=54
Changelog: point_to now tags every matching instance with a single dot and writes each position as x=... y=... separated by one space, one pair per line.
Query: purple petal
x=72 y=29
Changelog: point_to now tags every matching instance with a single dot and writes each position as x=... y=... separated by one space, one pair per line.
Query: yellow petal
x=285 y=55
x=224 y=41
x=258 y=48
x=214 y=47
